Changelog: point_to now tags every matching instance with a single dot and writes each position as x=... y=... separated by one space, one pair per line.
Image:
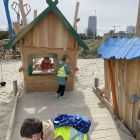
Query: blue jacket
x=63 y=80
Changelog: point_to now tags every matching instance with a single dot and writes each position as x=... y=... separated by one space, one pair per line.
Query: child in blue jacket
x=62 y=75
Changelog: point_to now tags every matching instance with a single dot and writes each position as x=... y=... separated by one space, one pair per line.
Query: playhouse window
x=41 y=65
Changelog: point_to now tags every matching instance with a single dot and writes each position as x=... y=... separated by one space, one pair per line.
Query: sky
x=109 y=13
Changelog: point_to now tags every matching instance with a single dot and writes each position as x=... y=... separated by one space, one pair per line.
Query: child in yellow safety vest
x=62 y=75
x=34 y=129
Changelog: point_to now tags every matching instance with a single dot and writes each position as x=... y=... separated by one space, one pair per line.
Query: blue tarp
x=76 y=121
x=120 y=48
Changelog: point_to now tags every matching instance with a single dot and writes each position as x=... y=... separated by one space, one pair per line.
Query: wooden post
x=17 y=27
x=138 y=22
x=15 y=87
x=115 y=105
x=106 y=74
x=35 y=14
x=138 y=127
x=21 y=6
x=76 y=15
x=7 y=53
x=75 y=27
x=96 y=82
x=138 y=130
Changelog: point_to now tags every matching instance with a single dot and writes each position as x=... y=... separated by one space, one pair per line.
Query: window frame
x=30 y=63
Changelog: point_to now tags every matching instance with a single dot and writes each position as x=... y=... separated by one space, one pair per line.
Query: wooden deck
x=81 y=101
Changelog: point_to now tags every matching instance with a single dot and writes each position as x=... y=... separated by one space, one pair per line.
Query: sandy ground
x=88 y=70
x=10 y=73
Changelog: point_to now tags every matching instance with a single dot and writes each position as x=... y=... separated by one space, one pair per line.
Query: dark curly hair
x=30 y=126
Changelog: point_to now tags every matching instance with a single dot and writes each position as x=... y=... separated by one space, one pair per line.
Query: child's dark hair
x=64 y=57
x=46 y=58
x=30 y=126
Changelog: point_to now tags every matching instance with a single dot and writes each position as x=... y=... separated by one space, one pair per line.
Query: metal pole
x=6 y=5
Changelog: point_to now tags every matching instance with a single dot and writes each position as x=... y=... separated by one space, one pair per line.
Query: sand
x=88 y=70
x=10 y=73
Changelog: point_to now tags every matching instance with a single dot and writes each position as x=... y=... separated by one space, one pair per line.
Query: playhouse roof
x=120 y=48
x=52 y=8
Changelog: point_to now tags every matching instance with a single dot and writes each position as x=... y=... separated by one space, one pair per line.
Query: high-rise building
x=92 y=26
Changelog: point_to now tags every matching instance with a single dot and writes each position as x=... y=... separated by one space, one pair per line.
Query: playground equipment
x=10 y=27
x=11 y=31
x=23 y=13
x=51 y=35
x=15 y=7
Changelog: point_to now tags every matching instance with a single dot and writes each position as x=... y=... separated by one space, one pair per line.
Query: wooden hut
x=122 y=77
x=48 y=35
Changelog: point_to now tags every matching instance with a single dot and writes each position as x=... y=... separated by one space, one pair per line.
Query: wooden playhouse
x=48 y=35
x=122 y=78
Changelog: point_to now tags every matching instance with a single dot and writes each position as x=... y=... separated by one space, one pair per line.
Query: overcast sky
x=109 y=12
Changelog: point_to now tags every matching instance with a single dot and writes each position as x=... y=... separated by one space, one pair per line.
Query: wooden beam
x=138 y=22
x=17 y=27
x=76 y=15
x=114 y=99
x=35 y=14
x=21 y=6
x=50 y=2
x=138 y=130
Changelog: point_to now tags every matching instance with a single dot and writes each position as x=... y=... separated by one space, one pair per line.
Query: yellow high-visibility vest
x=69 y=133
x=61 y=72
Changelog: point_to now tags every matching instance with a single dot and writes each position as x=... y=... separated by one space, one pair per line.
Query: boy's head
x=46 y=58
x=31 y=128
x=64 y=57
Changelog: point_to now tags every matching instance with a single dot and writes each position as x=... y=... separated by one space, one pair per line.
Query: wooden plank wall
x=127 y=83
x=46 y=82
x=50 y=32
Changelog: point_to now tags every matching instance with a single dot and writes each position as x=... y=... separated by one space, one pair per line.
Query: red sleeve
x=51 y=66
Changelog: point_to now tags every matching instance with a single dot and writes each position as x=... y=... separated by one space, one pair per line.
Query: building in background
x=92 y=26
x=130 y=30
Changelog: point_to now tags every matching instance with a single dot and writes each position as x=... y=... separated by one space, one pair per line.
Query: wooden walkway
x=81 y=101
